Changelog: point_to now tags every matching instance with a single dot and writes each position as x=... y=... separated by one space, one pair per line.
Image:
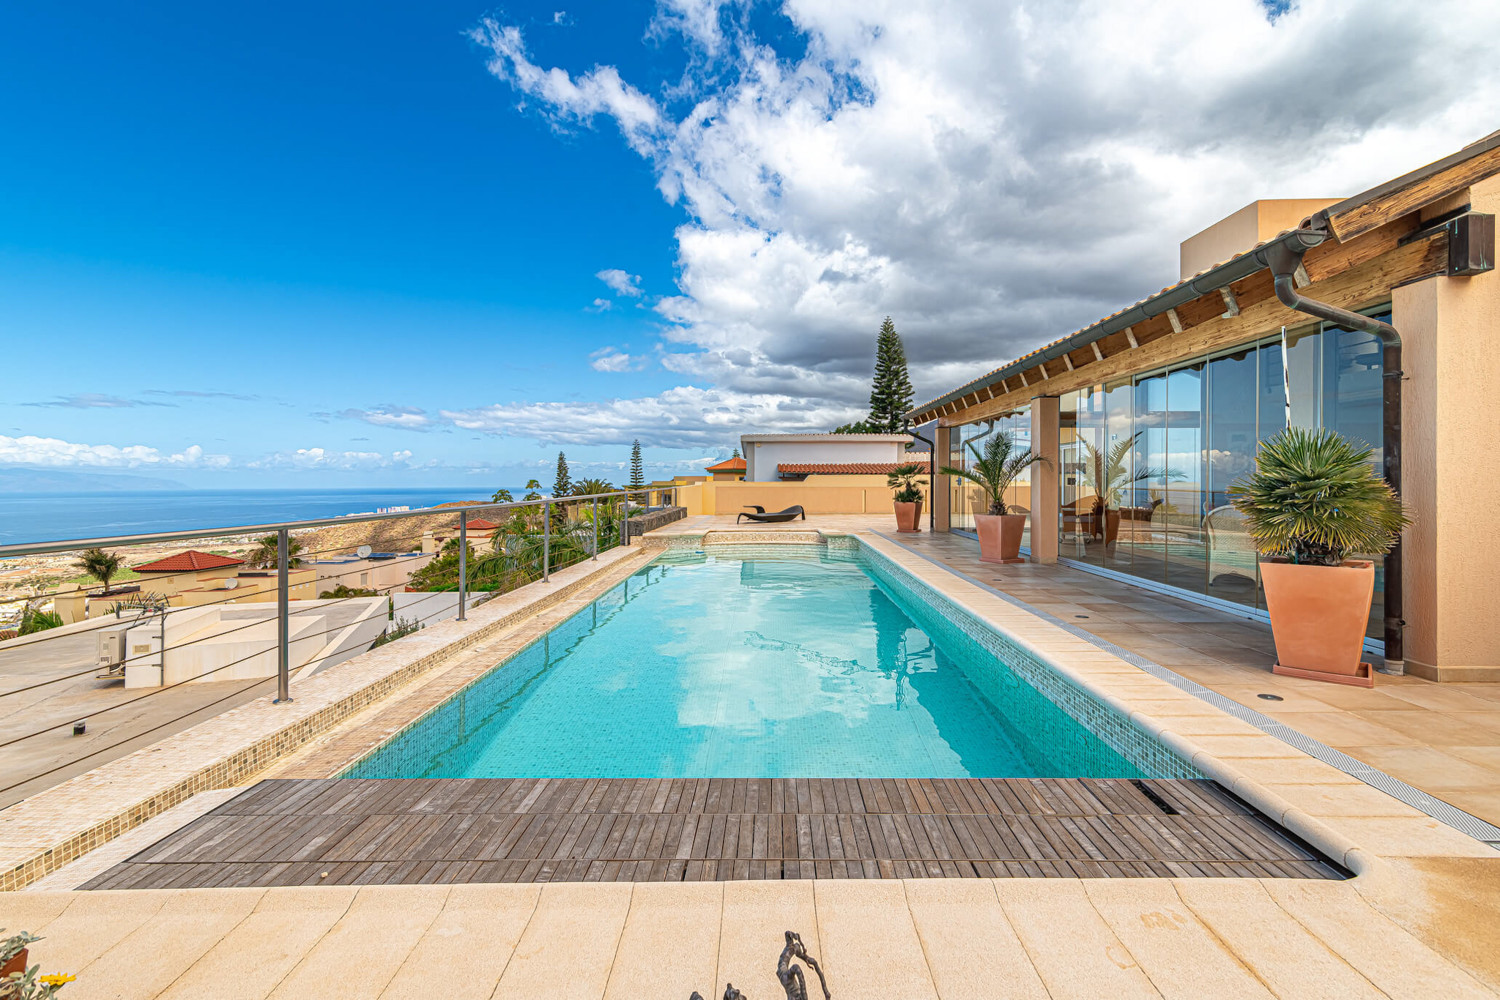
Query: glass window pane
x=1140 y=512
x=1231 y=555
x=1180 y=517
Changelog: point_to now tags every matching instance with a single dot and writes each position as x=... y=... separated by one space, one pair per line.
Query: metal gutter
x=1284 y=261
x=1199 y=285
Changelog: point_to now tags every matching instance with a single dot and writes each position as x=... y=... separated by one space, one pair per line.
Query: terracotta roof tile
x=839 y=468
x=188 y=562
x=728 y=465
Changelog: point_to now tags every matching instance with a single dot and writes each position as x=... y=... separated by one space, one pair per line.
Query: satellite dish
x=231 y=583
x=363 y=551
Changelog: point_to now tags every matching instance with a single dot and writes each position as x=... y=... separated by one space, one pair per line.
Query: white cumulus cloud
x=57 y=453
x=621 y=282
x=992 y=174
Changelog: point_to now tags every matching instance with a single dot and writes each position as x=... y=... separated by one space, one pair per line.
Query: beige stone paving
x=954 y=939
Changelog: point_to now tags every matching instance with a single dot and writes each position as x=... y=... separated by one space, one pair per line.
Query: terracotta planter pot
x=16 y=964
x=1000 y=537
x=909 y=517
x=1111 y=526
x=1318 y=617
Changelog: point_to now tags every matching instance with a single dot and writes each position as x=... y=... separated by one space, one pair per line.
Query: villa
x=1190 y=379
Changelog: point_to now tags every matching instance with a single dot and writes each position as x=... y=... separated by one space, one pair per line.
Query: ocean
x=45 y=517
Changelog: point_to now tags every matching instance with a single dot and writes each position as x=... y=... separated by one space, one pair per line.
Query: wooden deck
x=393 y=831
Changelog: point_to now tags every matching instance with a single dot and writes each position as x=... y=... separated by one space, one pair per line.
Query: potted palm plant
x=903 y=481
x=1313 y=500
x=994 y=469
x=1107 y=474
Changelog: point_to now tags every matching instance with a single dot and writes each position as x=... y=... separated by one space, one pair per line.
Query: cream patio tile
x=33 y=910
x=1387 y=955
x=1439 y=729
x=1181 y=956
x=92 y=924
x=1094 y=963
x=569 y=945
x=755 y=916
x=366 y=946
x=969 y=943
x=1414 y=836
x=670 y=943
x=162 y=948
x=466 y=948
x=249 y=961
x=870 y=945
x=1279 y=950
x=1344 y=799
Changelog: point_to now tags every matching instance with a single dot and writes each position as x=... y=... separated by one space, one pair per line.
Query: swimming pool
x=775 y=661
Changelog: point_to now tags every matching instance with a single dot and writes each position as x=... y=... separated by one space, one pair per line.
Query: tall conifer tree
x=637 y=468
x=890 y=392
x=563 y=484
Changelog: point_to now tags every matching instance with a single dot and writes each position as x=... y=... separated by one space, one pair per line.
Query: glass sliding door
x=1181 y=523
x=1147 y=462
x=1231 y=427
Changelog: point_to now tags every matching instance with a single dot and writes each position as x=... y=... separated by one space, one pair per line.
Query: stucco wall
x=818 y=495
x=762 y=457
x=1450 y=437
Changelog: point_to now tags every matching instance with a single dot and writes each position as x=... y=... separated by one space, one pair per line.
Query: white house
x=766 y=453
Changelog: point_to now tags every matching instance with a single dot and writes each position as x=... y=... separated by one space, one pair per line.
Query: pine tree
x=637 y=469
x=736 y=453
x=563 y=484
x=890 y=392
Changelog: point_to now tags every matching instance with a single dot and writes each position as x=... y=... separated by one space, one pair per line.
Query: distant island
x=28 y=479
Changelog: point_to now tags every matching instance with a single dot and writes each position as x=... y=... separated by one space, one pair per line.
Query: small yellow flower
x=56 y=979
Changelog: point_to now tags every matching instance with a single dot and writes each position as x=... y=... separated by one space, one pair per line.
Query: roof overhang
x=1340 y=222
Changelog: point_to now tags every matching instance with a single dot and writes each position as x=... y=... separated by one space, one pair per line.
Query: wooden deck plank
x=443 y=831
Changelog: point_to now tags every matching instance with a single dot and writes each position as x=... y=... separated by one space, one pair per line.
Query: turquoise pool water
x=771 y=664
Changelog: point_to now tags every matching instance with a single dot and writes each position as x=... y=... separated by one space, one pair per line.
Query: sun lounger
x=790 y=514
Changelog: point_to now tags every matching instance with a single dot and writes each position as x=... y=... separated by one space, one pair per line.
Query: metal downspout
x=1284 y=258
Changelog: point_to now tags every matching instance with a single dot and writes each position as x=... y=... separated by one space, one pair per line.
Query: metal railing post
x=546 y=540
x=283 y=618
x=625 y=520
x=595 y=519
x=463 y=561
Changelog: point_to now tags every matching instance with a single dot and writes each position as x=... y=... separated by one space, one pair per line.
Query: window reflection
x=1146 y=463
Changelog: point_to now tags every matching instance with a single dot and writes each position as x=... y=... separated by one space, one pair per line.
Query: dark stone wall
x=646 y=522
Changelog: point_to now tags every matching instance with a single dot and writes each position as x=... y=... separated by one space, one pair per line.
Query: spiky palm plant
x=903 y=479
x=1105 y=472
x=1314 y=498
x=996 y=468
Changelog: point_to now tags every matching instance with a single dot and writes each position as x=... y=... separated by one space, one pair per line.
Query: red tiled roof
x=728 y=465
x=480 y=524
x=839 y=468
x=188 y=562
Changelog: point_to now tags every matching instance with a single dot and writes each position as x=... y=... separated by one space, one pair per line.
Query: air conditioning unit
x=112 y=649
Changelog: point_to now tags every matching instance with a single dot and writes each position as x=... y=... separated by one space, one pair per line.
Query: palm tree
x=996 y=468
x=265 y=555
x=100 y=565
x=592 y=487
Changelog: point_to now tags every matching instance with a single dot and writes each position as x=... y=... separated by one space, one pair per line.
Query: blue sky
x=317 y=210
x=424 y=244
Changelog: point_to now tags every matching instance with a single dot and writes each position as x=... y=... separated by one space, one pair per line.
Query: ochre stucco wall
x=1450 y=330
